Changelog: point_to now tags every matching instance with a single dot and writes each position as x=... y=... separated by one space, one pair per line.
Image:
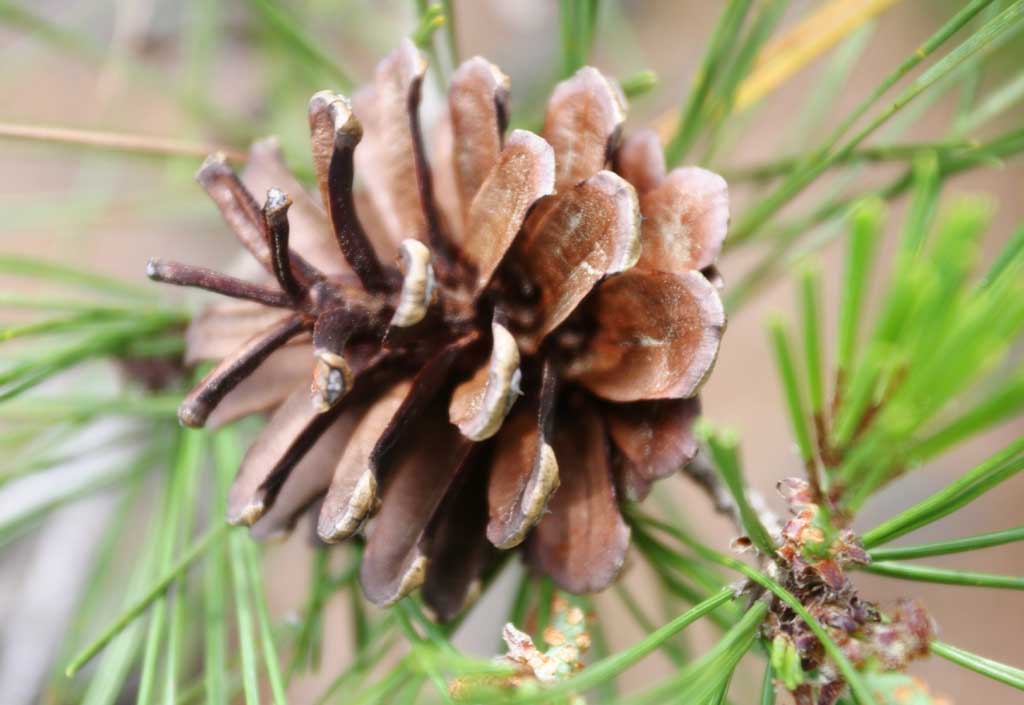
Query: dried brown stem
x=202 y=278
x=203 y=399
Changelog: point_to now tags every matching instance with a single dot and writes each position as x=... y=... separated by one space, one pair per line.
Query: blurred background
x=202 y=72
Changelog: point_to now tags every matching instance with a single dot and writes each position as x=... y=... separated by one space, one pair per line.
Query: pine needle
x=991 y=669
x=722 y=39
x=251 y=559
x=806 y=41
x=997 y=469
x=767 y=686
x=117 y=141
x=928 y=574
x=942 y=548
x=244 y=617
x=155 y=592
x=284 y=27
x=788 y=53
x=794 y=396
x=724 y=449
x=830 y=151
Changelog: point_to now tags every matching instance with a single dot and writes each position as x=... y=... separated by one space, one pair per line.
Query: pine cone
x=536 y=351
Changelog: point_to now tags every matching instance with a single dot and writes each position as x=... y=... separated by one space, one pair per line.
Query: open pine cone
x=535 y=354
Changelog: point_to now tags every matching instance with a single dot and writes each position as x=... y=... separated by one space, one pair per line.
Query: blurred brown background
x=112 y=212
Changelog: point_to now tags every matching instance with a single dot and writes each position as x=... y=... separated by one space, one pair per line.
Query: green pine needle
x=251 y=558
x=578 y=23
x=942 y=548
x=705 y=678
x=306 y=651
x=215 y=636
x=990 y=36
x=922 y=206
x=866 y=226
x=122 y=653
x=992 y=669
x=244 y=618
x=420 y=658
x=999 y=467
x=671 y=649
x=928 y=574
x=723 y=38
x=786 y=235
x=810 y=305
x=1010 y=259
x=766 y=16
x=672 y=567
x=522 y=600
x=227 y=457
x=16 y=525
x=282 y=25
x=767 y=686
x=724 y=447
x=451 y=31
x=155 y=592
x=159 y=634
x=62 y=274
x=798 y=416
x=1003 y=403
x=379 y=645
x=998 y=101
x=829 y=152
x=78 y=408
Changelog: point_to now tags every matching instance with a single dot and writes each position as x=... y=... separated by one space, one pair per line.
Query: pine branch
x=860 y=690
